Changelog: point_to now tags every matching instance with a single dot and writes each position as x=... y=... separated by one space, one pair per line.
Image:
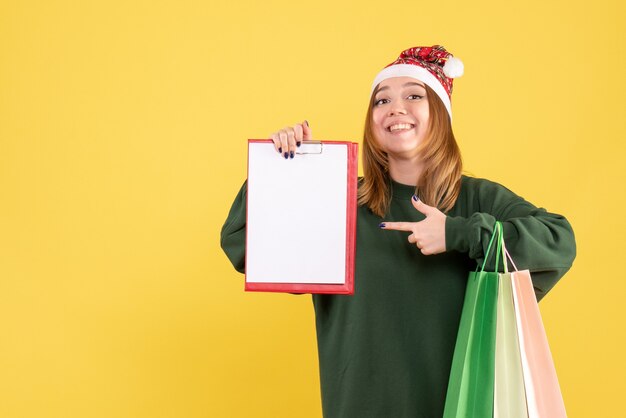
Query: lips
x=397 y=127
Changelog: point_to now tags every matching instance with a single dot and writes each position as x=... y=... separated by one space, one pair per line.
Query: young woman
x=422 y=226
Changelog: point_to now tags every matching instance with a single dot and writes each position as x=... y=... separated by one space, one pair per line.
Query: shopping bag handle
x=505 y=253
x=497 y=234
x=508 y=255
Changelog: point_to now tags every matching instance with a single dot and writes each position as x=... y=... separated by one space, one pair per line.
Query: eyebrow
x=410 y=83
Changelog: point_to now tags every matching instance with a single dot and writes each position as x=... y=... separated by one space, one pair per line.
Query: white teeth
x=399 y=126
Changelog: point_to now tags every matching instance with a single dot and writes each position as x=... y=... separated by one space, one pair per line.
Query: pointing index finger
x=398 y=226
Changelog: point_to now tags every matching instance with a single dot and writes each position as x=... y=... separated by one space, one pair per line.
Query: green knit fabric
x=386 y=351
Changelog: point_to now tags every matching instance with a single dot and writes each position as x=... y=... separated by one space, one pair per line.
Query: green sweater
x=386 y=351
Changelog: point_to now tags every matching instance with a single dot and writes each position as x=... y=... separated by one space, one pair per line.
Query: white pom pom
x=453 y=67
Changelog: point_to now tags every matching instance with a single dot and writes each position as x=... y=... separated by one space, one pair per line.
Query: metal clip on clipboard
x=310 y=147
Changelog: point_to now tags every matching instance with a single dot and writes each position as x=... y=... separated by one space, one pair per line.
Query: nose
x=397 y=108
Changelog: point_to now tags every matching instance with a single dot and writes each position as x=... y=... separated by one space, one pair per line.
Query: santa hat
x=432 y=65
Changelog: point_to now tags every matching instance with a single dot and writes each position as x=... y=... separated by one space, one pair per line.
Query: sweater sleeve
x=233 y=235
x=537 y=240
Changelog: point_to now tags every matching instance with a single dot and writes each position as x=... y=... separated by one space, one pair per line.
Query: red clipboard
x=301 y=218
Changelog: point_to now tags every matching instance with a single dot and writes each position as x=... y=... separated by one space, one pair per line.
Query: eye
x=380 y=101
x=414 y=97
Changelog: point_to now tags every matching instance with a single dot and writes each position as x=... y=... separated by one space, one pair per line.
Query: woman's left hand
x=428 y=235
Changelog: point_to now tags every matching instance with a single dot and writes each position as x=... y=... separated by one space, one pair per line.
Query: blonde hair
x=440 y=181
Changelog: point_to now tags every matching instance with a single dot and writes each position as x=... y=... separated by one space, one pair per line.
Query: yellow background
x=123 y=128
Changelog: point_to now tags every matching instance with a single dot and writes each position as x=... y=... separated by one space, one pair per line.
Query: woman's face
x=400 y=116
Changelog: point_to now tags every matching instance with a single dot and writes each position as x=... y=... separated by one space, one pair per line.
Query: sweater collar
x=401 y=191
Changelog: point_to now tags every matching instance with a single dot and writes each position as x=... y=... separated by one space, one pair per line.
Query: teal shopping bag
x=471 y=385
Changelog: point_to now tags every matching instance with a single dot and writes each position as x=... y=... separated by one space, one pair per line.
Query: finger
x=298 y=130
x=291 y=141
x=398 y=226
x=282 y=134
x=276 y=141
x=430 y=251
x=306 y=129
x=421 y=206
x=412 y=239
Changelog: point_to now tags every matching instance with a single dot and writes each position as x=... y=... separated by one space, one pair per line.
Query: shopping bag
x=502 y=365
x=509 y=392
x=543 y=393
x=471 y=385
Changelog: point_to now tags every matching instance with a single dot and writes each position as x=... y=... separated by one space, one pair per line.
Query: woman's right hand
x=288 y=139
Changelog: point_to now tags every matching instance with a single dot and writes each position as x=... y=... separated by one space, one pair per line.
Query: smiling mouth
x=400 y=127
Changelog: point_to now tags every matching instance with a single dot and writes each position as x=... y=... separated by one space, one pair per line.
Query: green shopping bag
x=471 y=385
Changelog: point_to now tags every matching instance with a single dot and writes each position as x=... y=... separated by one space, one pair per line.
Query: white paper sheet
x=297 y=215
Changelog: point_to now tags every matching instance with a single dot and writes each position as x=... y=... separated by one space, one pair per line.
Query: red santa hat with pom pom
x=432 y=65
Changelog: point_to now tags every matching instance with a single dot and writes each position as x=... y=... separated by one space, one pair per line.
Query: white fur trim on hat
x=418 y=73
